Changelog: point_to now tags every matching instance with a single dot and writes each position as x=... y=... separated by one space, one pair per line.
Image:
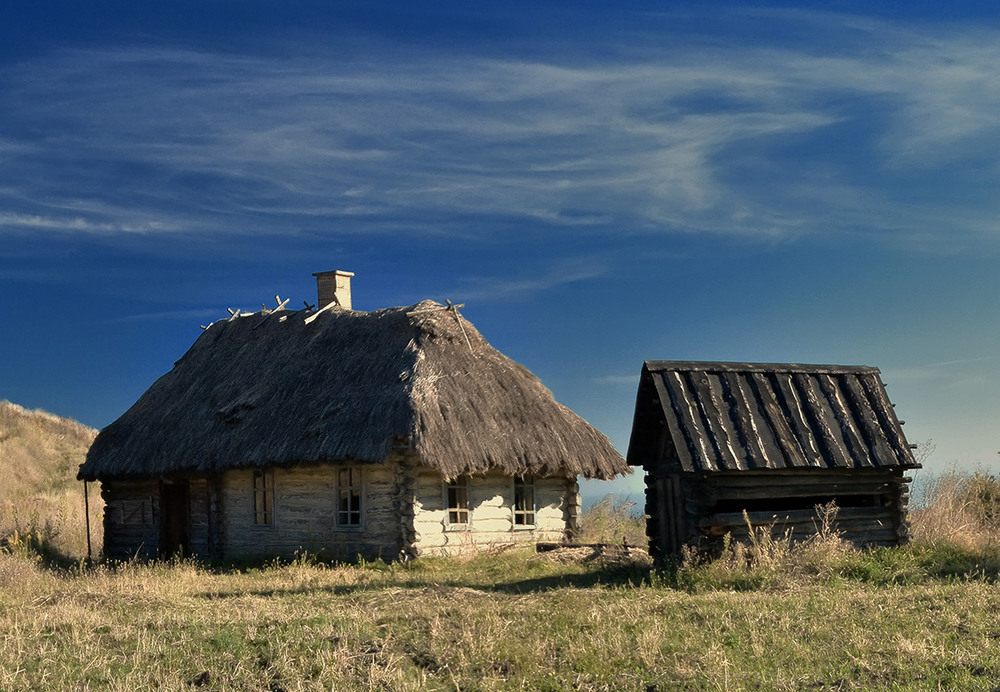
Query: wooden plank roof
x=751 y=416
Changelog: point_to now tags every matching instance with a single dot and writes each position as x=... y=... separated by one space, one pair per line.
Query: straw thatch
x=288 y=388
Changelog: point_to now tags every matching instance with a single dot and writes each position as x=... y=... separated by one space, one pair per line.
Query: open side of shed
x=730 y=446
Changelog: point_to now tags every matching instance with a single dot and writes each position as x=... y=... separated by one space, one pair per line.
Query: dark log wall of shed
x=698 y=510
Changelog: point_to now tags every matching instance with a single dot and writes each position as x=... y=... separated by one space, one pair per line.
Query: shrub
x=981 y=494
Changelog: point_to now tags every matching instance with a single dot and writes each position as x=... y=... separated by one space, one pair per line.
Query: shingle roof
x=746 y=416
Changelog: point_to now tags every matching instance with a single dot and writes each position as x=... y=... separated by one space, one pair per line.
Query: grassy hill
x=39 y=495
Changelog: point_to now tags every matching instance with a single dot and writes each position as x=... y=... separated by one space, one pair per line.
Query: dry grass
x=771 y=561
x=772 y=615
x=508 y=622
x=960 y=509
x=39 y=451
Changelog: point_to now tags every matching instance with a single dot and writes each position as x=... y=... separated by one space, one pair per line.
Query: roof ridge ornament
x=454 y=308
x=267 y=313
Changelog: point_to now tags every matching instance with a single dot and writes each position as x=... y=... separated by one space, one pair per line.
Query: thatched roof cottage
x=343 y=433
x=724 y=443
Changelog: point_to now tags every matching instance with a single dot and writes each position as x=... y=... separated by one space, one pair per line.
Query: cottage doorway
x=174 y=519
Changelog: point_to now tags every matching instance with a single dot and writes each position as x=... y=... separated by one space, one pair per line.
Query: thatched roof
x=297 y=387
x=752 y=416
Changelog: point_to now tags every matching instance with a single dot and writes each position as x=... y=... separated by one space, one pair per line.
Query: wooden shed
x=773 y=441
x=342 y=433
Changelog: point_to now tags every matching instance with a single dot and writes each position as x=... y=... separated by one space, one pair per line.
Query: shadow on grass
x=950 y=563
x=614 y=577
x=607 y=577
x=35 y=547
x=531 y=574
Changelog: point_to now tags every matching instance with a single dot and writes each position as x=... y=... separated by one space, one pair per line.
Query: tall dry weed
x=771 y=558
x=958 y=510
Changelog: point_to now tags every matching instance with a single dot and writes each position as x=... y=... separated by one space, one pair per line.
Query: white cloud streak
x=955 y=372
x=771 y=141
x=185 y=315
x=629 y=381
x=564 y=272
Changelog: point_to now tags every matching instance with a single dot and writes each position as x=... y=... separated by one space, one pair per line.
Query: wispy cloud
x=78 y=223
x=483 y=289
x=187 y=315
x=757 y=140
x=627 y=380
x=956 y=371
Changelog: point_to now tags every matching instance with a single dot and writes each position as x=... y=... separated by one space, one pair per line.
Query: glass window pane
x=524 y=501
x=263 y=497
x=349 y=493
x=458 y=501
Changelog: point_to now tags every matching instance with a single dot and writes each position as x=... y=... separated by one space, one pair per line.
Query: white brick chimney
x=333 y=287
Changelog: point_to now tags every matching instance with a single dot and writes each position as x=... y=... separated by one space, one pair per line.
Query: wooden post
x=86 y=512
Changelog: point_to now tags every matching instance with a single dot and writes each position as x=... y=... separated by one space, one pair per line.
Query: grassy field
x=892 y=620
x=769 y=616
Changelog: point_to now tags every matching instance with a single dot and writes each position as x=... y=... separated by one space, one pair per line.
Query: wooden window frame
x=262 y=484
x=456 y=502
x=351 y=518
x=524 y=508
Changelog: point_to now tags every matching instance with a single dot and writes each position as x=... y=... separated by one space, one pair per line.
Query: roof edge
x=727 y=366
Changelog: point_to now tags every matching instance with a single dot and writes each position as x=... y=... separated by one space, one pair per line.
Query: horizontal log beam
x=867 y=536
x=804 y=528
x=782 y=478
x=796 y=516
x=825 y=490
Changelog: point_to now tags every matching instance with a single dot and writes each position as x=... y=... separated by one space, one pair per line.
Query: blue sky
x=599 y=183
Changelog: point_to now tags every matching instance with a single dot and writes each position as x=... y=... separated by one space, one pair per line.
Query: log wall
x=404 y=511
x=698 y=510
x=305 y=516
x=202 y=517
x=491 y=516
x=131 y=519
